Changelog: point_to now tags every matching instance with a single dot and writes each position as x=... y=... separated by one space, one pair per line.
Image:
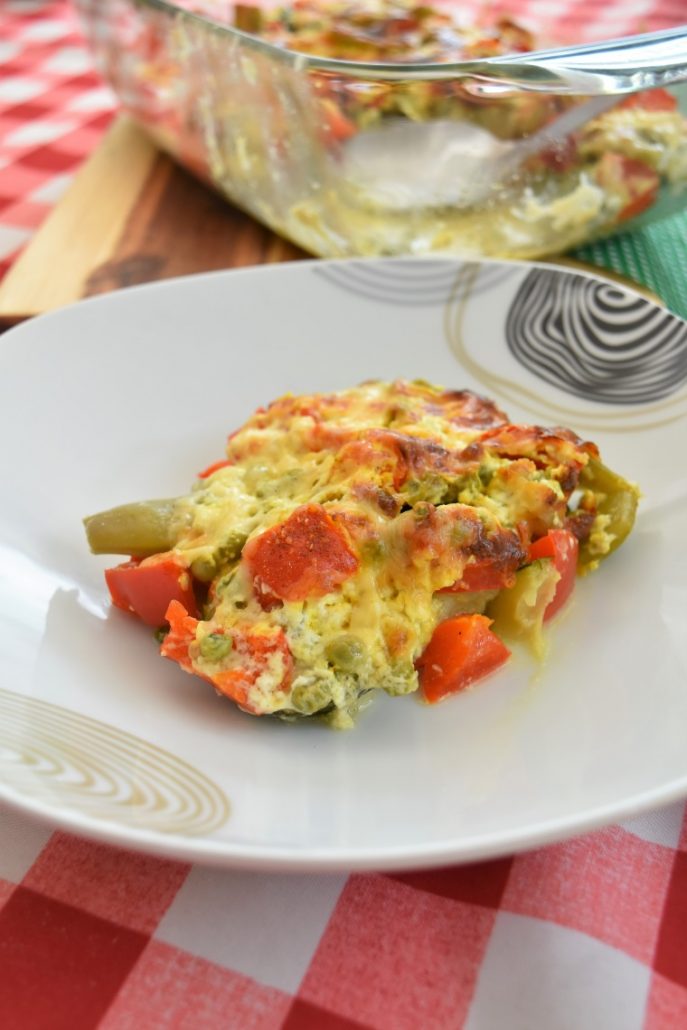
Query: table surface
x=588 y=933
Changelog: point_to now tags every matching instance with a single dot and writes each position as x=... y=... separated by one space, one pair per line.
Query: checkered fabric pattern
x=587 y=934
x=53 y=111
x=54 y=107
x=580 y=21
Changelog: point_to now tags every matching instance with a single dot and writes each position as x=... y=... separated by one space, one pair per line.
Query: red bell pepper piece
x=482 y=575
x=462 y=650
x=651 y=100
x=336 y=122
x=145 y=588
x=562 y=547
x=307 y=555
x=635 y=181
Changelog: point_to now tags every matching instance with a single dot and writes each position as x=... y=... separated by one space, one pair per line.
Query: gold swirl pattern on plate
x=663 y=402
x=58 y=756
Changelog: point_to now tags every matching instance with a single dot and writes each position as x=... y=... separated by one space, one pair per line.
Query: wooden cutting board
x=131 y=215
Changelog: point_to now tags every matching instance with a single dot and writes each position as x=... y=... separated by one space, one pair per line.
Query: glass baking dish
x=512 y=156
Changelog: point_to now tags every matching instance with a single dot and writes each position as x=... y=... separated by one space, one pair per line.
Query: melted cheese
x=419 y=483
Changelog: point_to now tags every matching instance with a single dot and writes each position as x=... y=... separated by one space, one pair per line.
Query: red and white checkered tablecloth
x=586 y=935
x=53 y=110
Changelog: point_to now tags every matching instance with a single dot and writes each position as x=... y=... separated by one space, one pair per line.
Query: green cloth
x=653 y=255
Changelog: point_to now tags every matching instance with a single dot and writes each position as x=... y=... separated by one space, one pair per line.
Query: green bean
x=616 y=498
x=518 y=611
x=141 y=528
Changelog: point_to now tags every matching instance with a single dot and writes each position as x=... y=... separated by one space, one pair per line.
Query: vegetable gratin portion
x=393 y=536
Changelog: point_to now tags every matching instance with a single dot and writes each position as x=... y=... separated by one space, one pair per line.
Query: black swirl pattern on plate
x=595 y=340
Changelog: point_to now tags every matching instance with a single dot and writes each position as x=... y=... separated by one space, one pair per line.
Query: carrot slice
x=182 y=633
x=216 y=465
x=254 y=652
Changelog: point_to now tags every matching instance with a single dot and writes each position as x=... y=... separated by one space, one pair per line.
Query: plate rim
x=276 y=268
x=231 y=855
x=267 y=858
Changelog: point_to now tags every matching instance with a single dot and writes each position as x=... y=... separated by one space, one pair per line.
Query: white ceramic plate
x=126 y=396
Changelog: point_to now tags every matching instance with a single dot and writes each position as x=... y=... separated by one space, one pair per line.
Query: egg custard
x=392 y=536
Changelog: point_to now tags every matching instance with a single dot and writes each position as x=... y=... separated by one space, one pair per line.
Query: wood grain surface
x=130 y=216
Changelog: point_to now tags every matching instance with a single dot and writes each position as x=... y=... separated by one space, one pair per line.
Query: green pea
x=345 y=652
x=462 y=533
x=311 y=698
x=372 y=550
x=215 y=646
x=204 y=569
